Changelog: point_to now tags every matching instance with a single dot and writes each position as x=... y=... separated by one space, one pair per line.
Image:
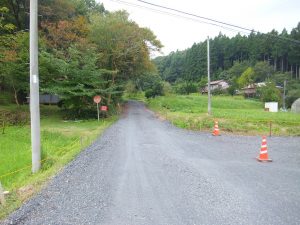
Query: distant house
x=214 y=85
x=47 y=99
x=250 y=90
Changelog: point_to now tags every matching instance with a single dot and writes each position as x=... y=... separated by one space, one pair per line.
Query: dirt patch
x=25 y=192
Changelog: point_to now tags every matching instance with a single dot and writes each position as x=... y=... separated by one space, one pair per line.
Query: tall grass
x=235 y=114
x=60 y=142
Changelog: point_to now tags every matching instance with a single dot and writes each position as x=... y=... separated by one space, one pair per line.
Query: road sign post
x=98 y=112
x=97 y=100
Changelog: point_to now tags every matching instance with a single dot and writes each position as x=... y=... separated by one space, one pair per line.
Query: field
x=61 y=142
x=235 y=115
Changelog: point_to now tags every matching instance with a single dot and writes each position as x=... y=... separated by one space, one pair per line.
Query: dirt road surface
x=144 y=171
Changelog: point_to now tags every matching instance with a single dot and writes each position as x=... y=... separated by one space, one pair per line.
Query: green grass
x=235 y=114
x=61 y=141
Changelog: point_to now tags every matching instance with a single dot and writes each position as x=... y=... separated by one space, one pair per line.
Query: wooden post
x=2 y=199
x=270 y=128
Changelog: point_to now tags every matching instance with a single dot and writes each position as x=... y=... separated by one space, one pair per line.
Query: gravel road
x=144 y=171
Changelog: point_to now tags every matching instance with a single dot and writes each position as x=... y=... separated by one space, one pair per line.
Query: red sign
x=103 y=108
x=97 y=99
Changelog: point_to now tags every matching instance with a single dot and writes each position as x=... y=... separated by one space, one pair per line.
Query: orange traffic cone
x=263 y=155
x=216 y=129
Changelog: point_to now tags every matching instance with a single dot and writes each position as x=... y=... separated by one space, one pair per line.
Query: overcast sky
x=178 y=33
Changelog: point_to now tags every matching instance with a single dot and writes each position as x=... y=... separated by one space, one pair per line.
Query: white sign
x=34 y=79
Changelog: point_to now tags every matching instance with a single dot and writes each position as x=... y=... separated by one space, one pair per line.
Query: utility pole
x=283 y=100
x=208 y=79
x=34 y=88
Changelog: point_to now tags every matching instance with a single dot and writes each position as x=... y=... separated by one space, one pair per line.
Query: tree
x=123 y=45
x=262 y=71
x=152 y=85
x=80 y=79
x=14 y=65
x=64 y=33
x=18 y=13
x=246 y=78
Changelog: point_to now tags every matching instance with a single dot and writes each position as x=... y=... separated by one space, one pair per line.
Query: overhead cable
x=216 y=21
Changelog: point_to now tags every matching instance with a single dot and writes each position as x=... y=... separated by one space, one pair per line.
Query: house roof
x=251 y=86
x=217 y=81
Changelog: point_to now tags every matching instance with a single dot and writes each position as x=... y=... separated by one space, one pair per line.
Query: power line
x=216 y=21
x=178 y=16
x=194 y=15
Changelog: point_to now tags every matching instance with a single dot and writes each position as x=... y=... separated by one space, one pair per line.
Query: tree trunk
x=275 y=64
x=16 y=11
x=16 y=96
x=282 y=64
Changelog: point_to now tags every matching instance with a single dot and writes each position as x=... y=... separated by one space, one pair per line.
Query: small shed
x=250 y=90
x=271 y=106
x=47 y=99
x=296 y=106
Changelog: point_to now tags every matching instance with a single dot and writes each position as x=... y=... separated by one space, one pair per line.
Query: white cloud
x=178 y=33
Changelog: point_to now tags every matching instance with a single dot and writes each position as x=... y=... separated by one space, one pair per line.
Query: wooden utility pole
x=208 y=79
x=34 y=88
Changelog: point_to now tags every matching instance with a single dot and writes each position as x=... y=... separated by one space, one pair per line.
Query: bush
x=167 y=88
x=219 y=91
x=14 y=117
x=269 y=93
x=155 y=90
x=186 y=87
x=232 y=90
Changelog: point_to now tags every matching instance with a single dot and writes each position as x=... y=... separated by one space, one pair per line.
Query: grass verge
x=235 y=115
x=61 y=142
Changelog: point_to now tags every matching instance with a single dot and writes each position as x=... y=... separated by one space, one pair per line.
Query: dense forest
x=240 y=60
x=84 y=50
x=276 y=49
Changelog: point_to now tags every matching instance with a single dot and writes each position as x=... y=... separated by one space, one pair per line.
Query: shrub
x=219 y=91
x=167 y=88
x=185 y=87
x=155 y=90
x=269 y=93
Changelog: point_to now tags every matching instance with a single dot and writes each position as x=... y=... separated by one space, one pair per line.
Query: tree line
x=241 y=60
x=282 y=54
x=84 y=50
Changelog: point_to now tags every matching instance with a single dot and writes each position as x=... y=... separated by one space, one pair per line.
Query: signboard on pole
x=104 y=108
x=97 y=100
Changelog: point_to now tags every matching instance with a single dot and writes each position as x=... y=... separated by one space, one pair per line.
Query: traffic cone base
x=264 y=160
